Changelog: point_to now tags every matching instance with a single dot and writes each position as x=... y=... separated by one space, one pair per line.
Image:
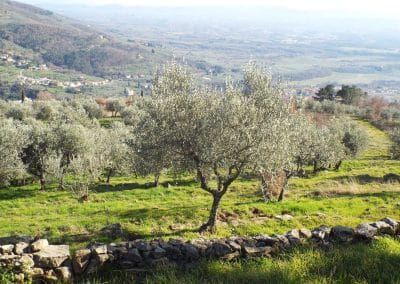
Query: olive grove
x=250 y=127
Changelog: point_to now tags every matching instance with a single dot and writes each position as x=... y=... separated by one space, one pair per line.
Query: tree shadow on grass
x=366 y=179
x=15 y=193
x=385 y=195
x=102 y=188
x=156 y=213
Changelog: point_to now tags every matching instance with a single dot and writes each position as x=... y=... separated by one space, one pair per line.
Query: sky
x=382 y=8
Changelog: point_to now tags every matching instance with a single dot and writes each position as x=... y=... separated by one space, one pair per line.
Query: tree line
x=252 y=128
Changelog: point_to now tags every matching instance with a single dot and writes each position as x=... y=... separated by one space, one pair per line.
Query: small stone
x=219 y=249
x=365 y=232
x=391 y=222
x=27 y=261
x=284 y=217
x=64 y=274
x=257 y=251
x=342 y=233
x=321 y=233
x=234 y=245
x=158 y=253
x=293 y=234
x=21 y=247
x=384 y=228
x=99 y=249
x=39 y=245
x=8 y=260
x=133 y=255
x=81 y=260
x=50 y=276
x=190 y=252
x=174 y=252
x=6 y=249
x=176 y=242
x=305 y=233
x=283 y=241
x=143 y=246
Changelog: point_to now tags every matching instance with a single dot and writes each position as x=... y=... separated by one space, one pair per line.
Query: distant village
x=27 y=64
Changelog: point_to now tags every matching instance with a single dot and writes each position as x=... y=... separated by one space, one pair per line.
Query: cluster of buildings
x=19 y=62
x=46 y=82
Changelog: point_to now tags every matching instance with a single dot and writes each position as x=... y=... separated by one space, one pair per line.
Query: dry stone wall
x=37 y=259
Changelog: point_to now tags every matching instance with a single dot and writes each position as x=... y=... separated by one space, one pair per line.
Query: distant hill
x=64 y=42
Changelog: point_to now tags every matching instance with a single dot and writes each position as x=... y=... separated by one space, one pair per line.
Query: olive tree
x=114 y=149
x=353 y=138
x=39 y=150
x=279 y=127
x=114 y=106
x=13 y=139
x=148 y=159
x=217 y=135
x=70 y=142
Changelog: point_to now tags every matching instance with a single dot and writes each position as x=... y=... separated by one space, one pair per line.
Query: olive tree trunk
x=210 y=225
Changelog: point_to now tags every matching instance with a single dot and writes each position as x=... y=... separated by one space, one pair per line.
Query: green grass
x=356 y=194
x=378 y=262
x=353 y=195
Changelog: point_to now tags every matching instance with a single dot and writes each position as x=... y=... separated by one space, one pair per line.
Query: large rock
x=190 y=251
x=39 y=245
x=27 y=261
x=81 y=260
x=321 y=233
x=96 y=262
x=158 y=253
x=99 y=249
x=342 y=234
x=234 y=245
x=6 y=249
x=294 y=237
x=384 y=228
x=305 y=233
x=52 y=256
x=133 y=255
x=21 y=247
x=257 y=251
x=394 y=224
x=365 y=232
x=143 y=246
x=219 y=249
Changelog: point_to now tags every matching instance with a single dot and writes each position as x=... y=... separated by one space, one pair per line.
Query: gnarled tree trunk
x=210 y=226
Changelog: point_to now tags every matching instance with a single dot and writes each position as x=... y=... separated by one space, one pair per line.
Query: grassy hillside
x=64 y=42
x=355 y=194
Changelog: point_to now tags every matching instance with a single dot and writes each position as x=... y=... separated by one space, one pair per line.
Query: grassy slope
x=356 y=194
